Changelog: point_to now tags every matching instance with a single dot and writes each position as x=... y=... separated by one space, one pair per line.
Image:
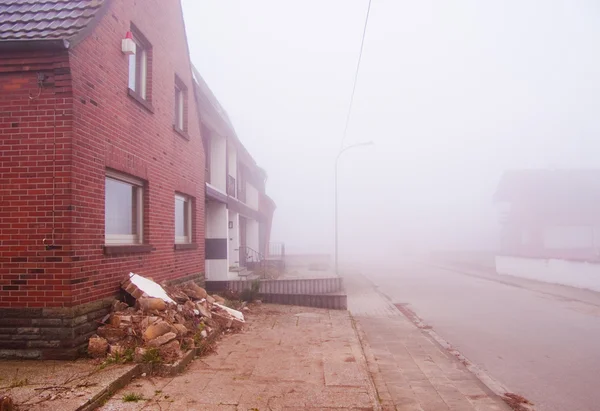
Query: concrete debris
x=170 y=352
x=156 y=330
x=139 y=286
x=97 y=347
x=181 y=329
x=148 y=304
x=194 y=291
x=163 y=318
x=202 y=307
x=115 y=350
x=234 y=313
x=111 y=334
x=162 y=340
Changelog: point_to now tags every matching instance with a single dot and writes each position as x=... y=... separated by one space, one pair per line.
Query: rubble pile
x=163 y=322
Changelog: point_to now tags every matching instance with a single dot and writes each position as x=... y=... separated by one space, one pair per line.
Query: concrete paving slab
x=287 y=358
x=60 y=385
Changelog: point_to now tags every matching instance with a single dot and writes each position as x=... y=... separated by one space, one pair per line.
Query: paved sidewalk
x=288 y=358
x=410 y=370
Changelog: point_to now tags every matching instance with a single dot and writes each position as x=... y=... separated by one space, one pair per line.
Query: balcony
x=230 y=186
x=241 y=192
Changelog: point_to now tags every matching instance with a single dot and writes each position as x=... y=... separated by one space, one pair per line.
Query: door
x=243 y=243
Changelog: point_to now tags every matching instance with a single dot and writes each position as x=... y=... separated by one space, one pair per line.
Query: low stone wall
x=330 y=301
x=315 y=292
x=571 y=273
x=49 y=333
x=293 y=286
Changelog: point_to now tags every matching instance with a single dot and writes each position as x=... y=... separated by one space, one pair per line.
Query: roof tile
x=45 y=19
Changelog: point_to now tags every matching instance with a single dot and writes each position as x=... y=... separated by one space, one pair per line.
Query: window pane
x=142 y=72
x=120 y=207
x=180 y=111
x=177 y=107
x=132 y=69
x=180 y=217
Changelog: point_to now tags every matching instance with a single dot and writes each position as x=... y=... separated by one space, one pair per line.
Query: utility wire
x=362 y=43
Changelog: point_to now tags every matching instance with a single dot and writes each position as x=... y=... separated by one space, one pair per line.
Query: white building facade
x=238 y=211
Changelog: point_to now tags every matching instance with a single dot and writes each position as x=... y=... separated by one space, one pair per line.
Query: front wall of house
x=560 y=228
x=114 y=131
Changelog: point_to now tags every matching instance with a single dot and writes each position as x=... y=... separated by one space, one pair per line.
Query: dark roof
x=210 y=109
x=31 y=20
x=547 y=184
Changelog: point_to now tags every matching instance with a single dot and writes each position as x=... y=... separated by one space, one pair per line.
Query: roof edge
x=91 y=26
x=25 y=45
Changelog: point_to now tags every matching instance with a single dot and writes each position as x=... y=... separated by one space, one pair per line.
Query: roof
x=39 y=20
x=546 y=184
x=207 y=97
x=211 y=109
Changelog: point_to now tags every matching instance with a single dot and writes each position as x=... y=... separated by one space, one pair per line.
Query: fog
x=452 y=94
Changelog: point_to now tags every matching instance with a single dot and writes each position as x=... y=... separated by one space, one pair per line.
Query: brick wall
x=98 y=126
x=34 y=188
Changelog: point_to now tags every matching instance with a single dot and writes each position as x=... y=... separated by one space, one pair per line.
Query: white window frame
x=127 y=239
x=187 y=220
x=179 y=107
x=142 y=59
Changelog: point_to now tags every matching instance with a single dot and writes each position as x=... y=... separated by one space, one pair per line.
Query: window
x=138 y=65
x=178 y=108
x=123 y=209
x=183 y=219
x=180 y=113
x=568 y=237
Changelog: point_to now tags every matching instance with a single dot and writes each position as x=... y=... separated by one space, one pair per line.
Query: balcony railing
x=230 y=186
x=241 y=192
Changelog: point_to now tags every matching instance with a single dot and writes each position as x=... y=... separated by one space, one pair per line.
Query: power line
x=362 y=43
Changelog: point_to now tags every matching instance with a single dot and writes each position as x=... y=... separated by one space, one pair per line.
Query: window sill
x=142 y=101
x=181 y=132
x=127 y=249
x=187 y=246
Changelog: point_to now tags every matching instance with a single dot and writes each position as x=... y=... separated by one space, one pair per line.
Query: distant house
x=102 y=166
x=550 y=225
x=239 y=213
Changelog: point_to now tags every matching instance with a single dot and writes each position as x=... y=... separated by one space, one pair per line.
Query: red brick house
x=102 y=166
x=550 y=226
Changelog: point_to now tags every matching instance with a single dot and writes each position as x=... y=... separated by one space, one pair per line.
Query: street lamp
x=367 y=143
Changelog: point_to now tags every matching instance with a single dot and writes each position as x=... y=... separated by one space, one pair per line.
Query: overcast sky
x=452 y=94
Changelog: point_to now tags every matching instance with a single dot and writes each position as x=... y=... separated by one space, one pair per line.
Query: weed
x=251 y=294
x=151 y=356
x=18 y=383
x=230 y=295
x=132 y=397
x=235 y=304
x=118 y=357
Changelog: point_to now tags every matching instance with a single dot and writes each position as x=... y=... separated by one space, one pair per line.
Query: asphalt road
x=538 y=340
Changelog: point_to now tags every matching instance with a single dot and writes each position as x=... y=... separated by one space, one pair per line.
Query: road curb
x=492 y=386
x=495 y=387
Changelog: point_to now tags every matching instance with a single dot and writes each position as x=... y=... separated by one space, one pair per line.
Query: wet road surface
x=538 y=340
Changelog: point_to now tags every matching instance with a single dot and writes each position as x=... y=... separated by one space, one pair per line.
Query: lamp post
x=343 y=150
